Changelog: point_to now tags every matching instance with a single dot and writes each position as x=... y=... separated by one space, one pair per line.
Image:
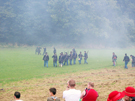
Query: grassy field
x=21 y=69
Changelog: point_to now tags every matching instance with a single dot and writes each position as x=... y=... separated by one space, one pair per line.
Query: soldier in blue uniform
x=80 y=57
x=85 y=57
x=70 y=57
x=66 y=58
x=74 y=56
x=54 y=60
x=44 y=50
x=133 y=60
x=61 y=58
x=46 y=59
x=54 y=51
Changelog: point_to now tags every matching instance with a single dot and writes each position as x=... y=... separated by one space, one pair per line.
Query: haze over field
x=109 y=23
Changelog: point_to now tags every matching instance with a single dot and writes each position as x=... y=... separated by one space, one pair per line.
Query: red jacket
x=91 y=95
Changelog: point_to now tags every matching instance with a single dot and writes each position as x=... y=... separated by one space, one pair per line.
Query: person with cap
x=39 y=50
x=126 y=59
x=129 y=94
x=114 y=58
x=85 y=57
x=116 y=96
x=89 y=94
x=74 y=56
x=61 y=59
x=46 y=59
x=66 y=58
x=80 y=57
x=73 y=50
x=70 y=57
x=54 y=51
x=133 y=60
x=44 y=50
x=54 y=60
x=36 y=51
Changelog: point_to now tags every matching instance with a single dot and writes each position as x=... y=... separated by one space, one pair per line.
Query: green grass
x=22 y=64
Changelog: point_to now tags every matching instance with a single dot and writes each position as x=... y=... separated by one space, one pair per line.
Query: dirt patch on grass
x=106 y=80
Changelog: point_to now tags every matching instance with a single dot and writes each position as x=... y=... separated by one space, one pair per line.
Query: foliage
x=67 y=21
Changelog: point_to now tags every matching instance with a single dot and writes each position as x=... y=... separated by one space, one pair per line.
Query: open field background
x=22 y=70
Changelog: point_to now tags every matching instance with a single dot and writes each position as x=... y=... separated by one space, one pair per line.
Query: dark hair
x=17 y=94
x=53 y=90
x=126 y=54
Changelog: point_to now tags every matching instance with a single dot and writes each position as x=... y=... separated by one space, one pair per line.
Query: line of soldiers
x=126 y=60
x=38 y=50
x=65 y=58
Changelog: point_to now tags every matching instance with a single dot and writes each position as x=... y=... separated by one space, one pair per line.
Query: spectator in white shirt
x=71 y=94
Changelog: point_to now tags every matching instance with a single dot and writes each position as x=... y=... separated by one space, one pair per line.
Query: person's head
x=46 y=53
x=125 y=54
x=129 y=93
x=71 y=52
x=80 y=52
x=17 y=95
x=52 y=91
x=131 y=55
x=84 y=51
x=113 y=53
x=90 y=85
x=115 y=96
x=71 y=83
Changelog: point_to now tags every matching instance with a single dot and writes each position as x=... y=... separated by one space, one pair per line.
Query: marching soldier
x=114 y=58
x=54 y=51
x=61 y=59
x=66 y=58
x=71 y=57
x=54 y=60
x=44 y=50
x=126 y=59
x=74 y=56
x=85 y=57
x=39 y=50
x=46 y=59
x=80 y=57
x=36 y=51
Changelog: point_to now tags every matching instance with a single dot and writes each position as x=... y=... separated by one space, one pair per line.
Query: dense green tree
x=107 y=22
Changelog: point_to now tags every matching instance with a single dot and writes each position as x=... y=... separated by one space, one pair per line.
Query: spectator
x=116 y=96
x=126 y=59
x=52 y=94
x=129 y=94
x=71 y=94
x=17 y=96
x=89 y=94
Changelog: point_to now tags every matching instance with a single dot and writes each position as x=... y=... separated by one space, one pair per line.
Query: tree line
x=34 y=22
